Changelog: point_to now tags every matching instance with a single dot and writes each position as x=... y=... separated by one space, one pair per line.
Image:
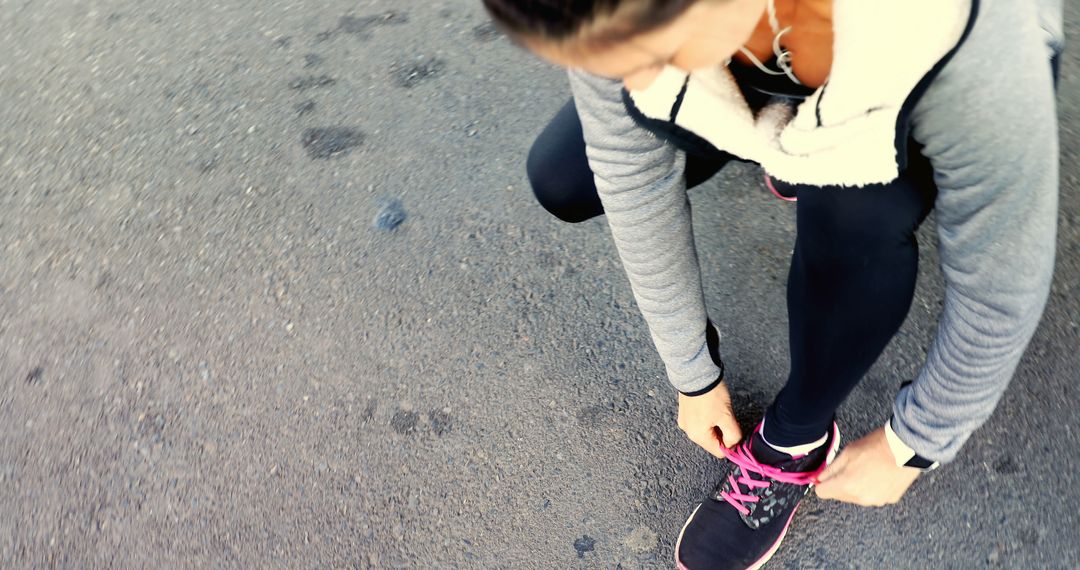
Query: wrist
x=903 y=454
x=712 y=344
x=712 y=385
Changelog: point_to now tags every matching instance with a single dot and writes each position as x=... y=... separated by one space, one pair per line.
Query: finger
x=836 y=491
x=825 y=490
x=709 y=442
x=834 y=469
x=730 y=432
x=833 y=486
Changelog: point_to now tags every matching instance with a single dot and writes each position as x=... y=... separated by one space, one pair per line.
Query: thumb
x=710 y=441
x=825 y=491
x=834 y=469
x=730 y=432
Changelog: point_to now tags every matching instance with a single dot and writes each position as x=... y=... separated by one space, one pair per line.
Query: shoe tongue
x=765 y=453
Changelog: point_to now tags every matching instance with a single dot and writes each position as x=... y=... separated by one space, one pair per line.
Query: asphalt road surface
x=274 y=294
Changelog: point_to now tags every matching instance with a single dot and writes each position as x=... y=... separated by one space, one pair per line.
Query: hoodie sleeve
x=640 y=180
x=989 y=126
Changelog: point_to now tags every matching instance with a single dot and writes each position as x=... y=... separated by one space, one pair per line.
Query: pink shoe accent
x=769 y=185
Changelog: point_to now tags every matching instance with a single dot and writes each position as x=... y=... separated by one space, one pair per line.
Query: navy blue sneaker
x=742 y=522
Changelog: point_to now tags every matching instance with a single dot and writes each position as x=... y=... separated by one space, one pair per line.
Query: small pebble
x=330 y=142
x=35 y=375
x=305 y=107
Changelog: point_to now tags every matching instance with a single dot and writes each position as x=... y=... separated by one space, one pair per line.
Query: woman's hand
x=709 y=421
x=866 y=474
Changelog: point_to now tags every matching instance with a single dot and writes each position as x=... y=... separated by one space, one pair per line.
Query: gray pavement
x=274 y=294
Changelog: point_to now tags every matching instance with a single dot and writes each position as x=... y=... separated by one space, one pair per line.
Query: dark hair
x=593 y=20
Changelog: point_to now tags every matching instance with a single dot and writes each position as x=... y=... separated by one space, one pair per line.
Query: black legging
x=852 y=275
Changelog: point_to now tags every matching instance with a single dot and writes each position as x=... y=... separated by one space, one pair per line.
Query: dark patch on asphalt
x=1031 y=536
x=749 y=406
x=312 y=60
x=1007 y=466
x=283 y=41
x=305 y=107
x=330 y=142
x=369 y=410
x=591 y=415
x=441 y=422
x=362 y=25
x=821 y=559
x=404 y=422
x=311 y=82
x=486 y=32
x=408 y=76
x=151 y=427
x=208 y=165
x=35 y=375
x=390 y=216
x=583 y=545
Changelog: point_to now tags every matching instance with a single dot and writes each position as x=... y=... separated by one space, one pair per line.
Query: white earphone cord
x=783 y=57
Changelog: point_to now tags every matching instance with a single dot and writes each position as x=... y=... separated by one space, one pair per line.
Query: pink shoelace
x=740 y=455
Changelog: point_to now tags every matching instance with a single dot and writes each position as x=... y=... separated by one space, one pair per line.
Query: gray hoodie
x=987 y=119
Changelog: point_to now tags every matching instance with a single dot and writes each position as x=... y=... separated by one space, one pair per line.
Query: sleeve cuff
x=712 y=342
x=903 y=454
x=707 y=389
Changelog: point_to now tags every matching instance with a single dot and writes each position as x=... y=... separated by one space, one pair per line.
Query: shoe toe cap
x=716 y=538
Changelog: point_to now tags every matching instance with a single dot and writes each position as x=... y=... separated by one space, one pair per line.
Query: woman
x=868 y=115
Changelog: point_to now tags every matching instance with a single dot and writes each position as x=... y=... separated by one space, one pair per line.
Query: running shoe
x=742 y=522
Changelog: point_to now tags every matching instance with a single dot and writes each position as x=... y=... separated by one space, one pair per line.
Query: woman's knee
x=559 y=172
x=565 y=197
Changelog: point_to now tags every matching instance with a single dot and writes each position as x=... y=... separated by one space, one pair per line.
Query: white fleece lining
x=657 y=100
x=715 y=110
x=855 y=145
